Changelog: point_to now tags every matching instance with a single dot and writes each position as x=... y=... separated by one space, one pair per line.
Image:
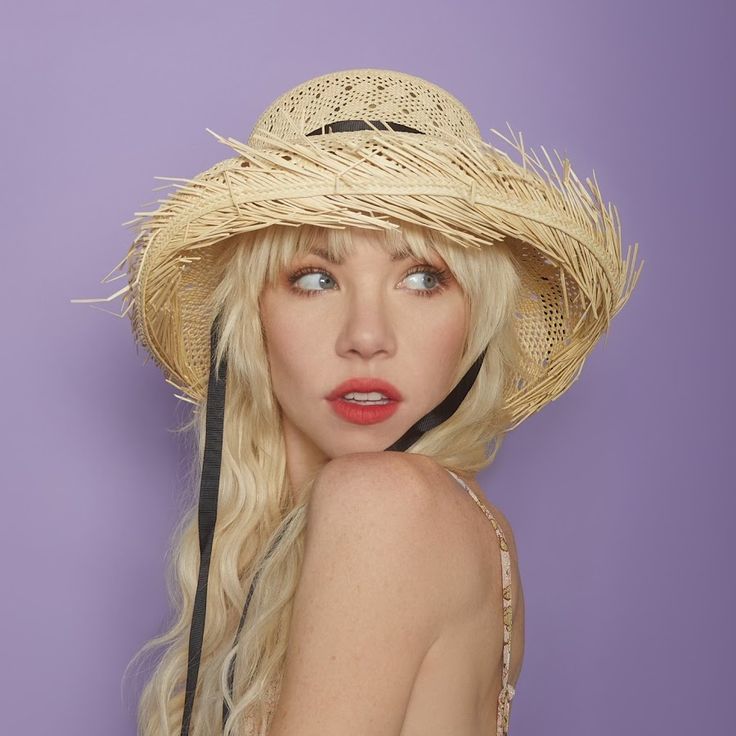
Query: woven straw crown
x=574 y=279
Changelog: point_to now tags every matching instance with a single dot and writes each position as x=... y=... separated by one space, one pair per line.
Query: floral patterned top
x=507 y=689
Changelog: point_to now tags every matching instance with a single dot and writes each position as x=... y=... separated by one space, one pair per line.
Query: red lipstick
x=364 y=413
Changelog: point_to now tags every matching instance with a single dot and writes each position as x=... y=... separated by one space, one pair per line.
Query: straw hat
x=419 y=158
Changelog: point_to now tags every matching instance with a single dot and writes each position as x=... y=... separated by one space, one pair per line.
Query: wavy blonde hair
x=257 y=512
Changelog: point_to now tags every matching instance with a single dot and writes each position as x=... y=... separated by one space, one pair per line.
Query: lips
x=367 y=405
x=364 y=386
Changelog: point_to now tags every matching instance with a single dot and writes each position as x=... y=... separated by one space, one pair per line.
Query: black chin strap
x=210 y=481
x=208 y=492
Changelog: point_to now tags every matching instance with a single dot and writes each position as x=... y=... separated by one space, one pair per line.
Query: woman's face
x=395 y=327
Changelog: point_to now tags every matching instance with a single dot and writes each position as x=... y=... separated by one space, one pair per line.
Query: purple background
x=620 y=493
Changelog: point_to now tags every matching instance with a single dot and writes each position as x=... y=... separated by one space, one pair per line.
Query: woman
x=365 y=275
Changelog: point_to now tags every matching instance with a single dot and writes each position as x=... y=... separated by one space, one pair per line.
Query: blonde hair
x=256 y=511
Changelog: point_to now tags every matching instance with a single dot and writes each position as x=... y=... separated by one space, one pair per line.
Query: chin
x=352 y=448
x=333 y=438
x=366 y=441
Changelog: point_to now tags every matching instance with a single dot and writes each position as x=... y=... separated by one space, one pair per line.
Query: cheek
x=450 y=343
x=291 y=341
x=436 y=343
x=444 y=334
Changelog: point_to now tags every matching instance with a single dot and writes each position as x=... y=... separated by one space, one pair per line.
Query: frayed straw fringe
x=467 y=189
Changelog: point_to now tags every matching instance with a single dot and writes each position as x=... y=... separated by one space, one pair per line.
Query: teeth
x=372 y=396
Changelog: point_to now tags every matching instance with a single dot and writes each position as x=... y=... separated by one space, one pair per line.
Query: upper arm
x=373 y=596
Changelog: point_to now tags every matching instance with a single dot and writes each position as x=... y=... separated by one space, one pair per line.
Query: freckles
x=449 y=326
x=447 y=348
x=297 y=335
x=449 y=340
x=438 y=346
x=277 y=332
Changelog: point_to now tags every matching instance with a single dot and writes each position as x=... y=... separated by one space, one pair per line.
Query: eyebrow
x=338 y=261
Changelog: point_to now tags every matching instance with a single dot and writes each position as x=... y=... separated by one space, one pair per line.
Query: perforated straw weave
x=569 y=242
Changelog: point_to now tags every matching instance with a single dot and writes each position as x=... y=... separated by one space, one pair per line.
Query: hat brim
x=574 y=279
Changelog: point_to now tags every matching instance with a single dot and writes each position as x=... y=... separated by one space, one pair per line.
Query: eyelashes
x=441 y=276
x=300 y=273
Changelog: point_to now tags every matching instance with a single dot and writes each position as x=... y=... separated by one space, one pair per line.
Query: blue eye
x=311 y=280
x=434 y=279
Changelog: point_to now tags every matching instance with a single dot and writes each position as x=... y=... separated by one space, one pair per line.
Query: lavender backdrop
x=620 y=493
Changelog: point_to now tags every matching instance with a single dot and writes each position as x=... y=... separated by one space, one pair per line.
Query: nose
x=367 y=326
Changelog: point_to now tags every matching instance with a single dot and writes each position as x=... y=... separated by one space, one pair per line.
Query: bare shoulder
x=388 y=482
x=409 y=501
x=378 y=586
x=376 y=468
x=396 y=481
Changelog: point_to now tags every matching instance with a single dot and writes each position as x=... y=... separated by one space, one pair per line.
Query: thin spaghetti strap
x=507 y=689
